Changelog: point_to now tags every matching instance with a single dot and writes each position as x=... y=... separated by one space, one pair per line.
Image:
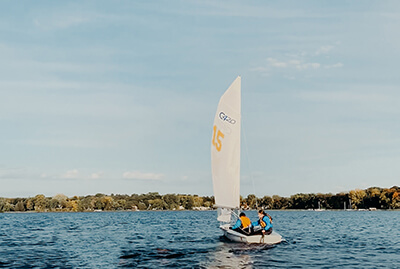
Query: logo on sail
x=226 y=118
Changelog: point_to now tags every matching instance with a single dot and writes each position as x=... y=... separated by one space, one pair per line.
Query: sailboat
x=225 y=162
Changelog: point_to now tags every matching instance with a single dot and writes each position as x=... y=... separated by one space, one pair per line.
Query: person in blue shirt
x=264 y=223
x=243 y=224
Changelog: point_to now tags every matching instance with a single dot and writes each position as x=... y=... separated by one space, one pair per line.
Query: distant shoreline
x=193 y=210
x=374 y=198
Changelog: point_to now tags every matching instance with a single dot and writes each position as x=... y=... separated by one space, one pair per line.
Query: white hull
x=273 y=238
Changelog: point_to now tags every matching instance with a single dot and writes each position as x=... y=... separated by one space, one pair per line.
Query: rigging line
x=248 y=162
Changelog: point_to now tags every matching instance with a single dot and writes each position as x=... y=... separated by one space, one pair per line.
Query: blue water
x=191 y=239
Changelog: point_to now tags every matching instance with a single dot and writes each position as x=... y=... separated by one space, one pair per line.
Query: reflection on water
x=224 y=256
x=193 y=240
x=234 y=255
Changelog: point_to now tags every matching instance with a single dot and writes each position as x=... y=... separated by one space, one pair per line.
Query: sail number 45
x=217 y=136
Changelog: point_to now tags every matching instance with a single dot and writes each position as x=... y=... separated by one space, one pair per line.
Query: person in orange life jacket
x=264 y=223
x=243 y=224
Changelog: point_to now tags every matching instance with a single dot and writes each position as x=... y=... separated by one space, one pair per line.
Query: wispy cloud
x=96 y=175
x=347 y=97
x=324 y=50
x=142 y=176
x=60 y=23
x=275 y=63
x=75 y=16
x=299 y=62
x=291 y=64
x=71 y=174
x=12 y=173
x=68 y=18
x=337 y=65
x=237 y=9
x=366 y=99
x=65 y=142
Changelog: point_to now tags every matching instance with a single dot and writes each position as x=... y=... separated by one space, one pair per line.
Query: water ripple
x=192 y=240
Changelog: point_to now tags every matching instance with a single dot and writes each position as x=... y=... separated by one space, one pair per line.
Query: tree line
x=374 y=197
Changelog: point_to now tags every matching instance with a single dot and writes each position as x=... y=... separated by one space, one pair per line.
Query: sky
x=120 y=96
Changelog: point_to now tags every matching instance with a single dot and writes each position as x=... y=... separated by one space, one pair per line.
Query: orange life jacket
x=245 y=221
x=262 y=222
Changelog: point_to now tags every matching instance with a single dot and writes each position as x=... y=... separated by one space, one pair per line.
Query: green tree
x=20 y=206
x=98 y=203
x=121 y=204
x=198 y=201
x=8 y=207
x=61 y=201
x=357 y=197
x=395 y=203
x=158 y=204
x=30 y=204
x=301 y=201
x=251 y=201
x=372 y=198
x=40 y=203
x=172 y=201
x=142 y=206
x=266 y=202
x=108 y=202
x=85 y=204
x=187 y=202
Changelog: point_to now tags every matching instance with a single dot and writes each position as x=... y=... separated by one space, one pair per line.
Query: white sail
x=225 y=162
x=225 y=148
x=224 y=214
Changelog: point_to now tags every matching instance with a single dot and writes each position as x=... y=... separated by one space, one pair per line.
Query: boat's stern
x=273 y=238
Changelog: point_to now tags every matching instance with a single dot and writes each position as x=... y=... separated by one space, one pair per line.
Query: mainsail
x=225 y=151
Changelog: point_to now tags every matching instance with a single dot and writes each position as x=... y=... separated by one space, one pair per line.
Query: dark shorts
x=267 y=232
x=246 y=231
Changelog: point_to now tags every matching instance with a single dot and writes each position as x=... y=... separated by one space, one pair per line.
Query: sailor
x=264 y=223
x=243 y=224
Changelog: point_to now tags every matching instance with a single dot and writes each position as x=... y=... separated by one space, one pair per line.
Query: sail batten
x=225 y=148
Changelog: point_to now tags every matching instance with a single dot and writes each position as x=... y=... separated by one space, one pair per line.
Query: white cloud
x=60 y=23
x=69 y=143
x=337 y=65
x=68 y=18
x=275 y=63
x=324 y=50
x=292 y=62
x=140 y=175
x=264 y=71
x=303 y=66
x=14 y=172
x=56 y=20
x=96 y=175
x=346 y=96
x=71 y=174
x=297 y=64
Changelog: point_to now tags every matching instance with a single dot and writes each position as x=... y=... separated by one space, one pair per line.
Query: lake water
x=191 y=239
